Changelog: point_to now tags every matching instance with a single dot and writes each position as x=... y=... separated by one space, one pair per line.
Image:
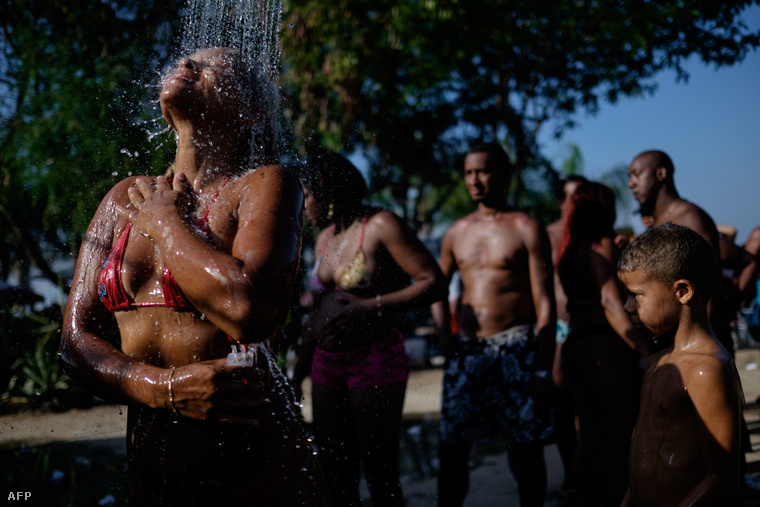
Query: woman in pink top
x=366 y=260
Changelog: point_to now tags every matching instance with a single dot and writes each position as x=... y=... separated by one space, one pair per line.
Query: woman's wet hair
x=258 y=97
x=331 y=178
x=592 y=212
x=670 y=252
x=590 y=217
x=559 y=186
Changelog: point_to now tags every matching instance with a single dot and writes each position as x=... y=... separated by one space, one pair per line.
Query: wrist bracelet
x=379 y=300
x=171 y=392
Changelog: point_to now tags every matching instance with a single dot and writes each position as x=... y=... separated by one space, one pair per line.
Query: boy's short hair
x=671 y=252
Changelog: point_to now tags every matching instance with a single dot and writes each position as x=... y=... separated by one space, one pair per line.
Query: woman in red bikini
x=190 y=263
x=361 y=286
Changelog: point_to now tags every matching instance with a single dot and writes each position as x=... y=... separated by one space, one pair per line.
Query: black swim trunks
x=485 y=391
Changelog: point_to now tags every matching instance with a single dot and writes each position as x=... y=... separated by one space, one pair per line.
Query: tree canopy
x=74 y=80
x=408 y=84
x=413 y=83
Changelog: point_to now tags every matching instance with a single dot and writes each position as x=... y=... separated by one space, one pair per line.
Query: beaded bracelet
x=379 y=299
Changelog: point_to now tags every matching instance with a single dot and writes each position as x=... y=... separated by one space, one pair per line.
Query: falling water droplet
x=253 y=28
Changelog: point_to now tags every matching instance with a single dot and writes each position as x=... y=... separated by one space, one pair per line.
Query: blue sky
x=710 y=126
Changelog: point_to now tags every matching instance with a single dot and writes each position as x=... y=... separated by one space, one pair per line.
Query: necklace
x=671 y=208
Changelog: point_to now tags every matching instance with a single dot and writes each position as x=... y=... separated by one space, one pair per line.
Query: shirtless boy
x=686 y=448
x=498 y=372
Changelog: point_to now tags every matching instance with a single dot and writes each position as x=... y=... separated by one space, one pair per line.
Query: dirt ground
x=78 y=458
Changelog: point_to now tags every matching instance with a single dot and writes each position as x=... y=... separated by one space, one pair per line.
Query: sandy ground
x=110 y=421
x=104 y=427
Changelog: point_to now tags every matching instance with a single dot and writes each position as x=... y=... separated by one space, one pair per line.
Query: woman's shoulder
x=273 y=173
x=269 y=186
x=118 y=195
x=375 y=214
x=270 y=181
x=382 y=220
x=106 y=220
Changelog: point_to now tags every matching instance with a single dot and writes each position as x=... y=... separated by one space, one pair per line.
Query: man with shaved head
x=650 y=178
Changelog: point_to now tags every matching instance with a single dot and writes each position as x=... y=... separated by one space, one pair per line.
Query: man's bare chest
x=491 y=248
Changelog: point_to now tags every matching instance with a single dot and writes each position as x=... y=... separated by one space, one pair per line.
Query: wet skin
x=358 y=428
x=686 y=447
x=504 y=258
x=237 y=279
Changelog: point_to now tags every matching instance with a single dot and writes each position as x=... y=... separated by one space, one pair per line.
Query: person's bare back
x=490 y=253
x=690 y=215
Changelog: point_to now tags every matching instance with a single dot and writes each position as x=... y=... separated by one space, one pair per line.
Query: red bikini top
x=111 y=288
x=110 y=285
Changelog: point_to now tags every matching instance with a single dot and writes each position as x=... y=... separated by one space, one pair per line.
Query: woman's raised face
x=204 y=86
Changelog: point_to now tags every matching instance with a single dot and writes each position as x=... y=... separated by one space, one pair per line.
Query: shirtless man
x=498 y=371
x=686 y=449
x=650 y=178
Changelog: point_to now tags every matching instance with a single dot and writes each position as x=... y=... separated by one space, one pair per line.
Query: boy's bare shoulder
x=708 y=366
